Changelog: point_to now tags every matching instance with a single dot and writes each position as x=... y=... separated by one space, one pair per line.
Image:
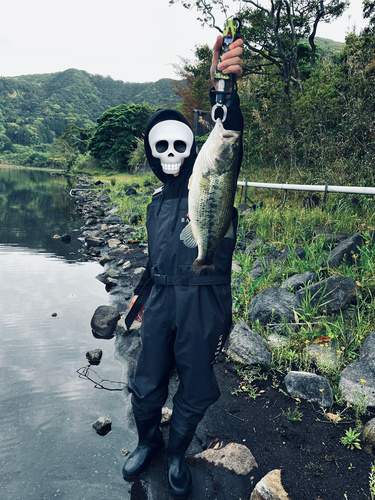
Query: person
x=186 y=320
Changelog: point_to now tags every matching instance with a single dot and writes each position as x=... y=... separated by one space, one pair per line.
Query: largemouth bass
x=212 y=188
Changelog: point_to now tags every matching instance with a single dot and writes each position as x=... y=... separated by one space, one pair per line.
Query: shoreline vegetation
x=262 y=390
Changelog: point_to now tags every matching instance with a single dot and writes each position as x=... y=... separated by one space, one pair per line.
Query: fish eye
x=180 y=146
x=161 y=146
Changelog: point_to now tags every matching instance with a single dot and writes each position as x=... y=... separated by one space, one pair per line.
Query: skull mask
x=171 y=142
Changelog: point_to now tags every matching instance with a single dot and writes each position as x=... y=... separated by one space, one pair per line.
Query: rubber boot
x=179 y=477
x=150 y=442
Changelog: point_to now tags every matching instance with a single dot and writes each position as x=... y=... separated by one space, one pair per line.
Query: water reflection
x=48 y=448
x=34 y=206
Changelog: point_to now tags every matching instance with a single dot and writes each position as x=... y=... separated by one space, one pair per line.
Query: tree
x=194 y=88
x=73 y=142
x=115 y=135
x=271 y=30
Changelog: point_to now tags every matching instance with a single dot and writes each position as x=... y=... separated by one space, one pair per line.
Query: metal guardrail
x=303 y=187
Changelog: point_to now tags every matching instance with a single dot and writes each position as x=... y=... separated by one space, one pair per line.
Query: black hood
x=161 y=116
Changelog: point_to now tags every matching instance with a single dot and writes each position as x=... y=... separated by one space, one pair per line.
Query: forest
x=308 y=103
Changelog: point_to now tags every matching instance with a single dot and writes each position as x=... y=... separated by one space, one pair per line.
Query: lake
x=48 y=294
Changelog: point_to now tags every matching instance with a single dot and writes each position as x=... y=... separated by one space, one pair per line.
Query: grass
x=290 y=226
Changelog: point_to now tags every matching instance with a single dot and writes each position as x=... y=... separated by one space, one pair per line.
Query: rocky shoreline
x=108 y=240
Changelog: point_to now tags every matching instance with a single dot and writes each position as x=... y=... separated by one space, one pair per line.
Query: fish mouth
x=171 y=168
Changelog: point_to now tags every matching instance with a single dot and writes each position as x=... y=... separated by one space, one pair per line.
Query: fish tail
x=197 y=267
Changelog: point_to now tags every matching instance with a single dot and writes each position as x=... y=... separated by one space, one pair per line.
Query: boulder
x=367 y=351
x=113 y=243
x=104 y=260
x=368 y=437
x=247 y=346
x=298 y=281
x=332 y=294
x=274 y=303
x=310 y=386
x=92 y=241
x=113 y=219
x=345 y=250
x=66 y=238
x=357 y=382
x=234 y=457
x=254 y=245
x=270 y=488
x=324 y=355
x=103 y=322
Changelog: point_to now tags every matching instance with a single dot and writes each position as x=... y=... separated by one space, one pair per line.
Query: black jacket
x=166 y=217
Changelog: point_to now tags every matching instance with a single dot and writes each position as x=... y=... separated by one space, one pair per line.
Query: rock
x=134 y=219
x=130 y=192
x=233 y=457
x=94 y=356
x=287 y=252
x=127 y=265
x=247 y=346
x=111 y=283
x=56 y=236
x=345 y=250
x=299 y=280
x=273 y=303
x=113 y=243
x=66 y=238
x=309 y=386
x=332 y=294
x=166 y=415
x=139 y=270
x=324 y=355
x=270 y=488
x=244 y=208
x=113 y=219
x=367 y=351
x=236 y=268
x=103 y=322
x=92 y=241
x=103 y=425
x=104 y=260
x=108 y=276
x=54 y=315
x=121 y=327
x=367 y=437
x=322 y=231
x=254 y=245
x=276 y=341
x=357 y=382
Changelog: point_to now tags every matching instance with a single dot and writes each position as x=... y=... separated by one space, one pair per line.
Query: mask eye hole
x=161 y=146
x=180 y=146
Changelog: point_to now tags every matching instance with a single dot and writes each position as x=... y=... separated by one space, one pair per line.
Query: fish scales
x=211 y=195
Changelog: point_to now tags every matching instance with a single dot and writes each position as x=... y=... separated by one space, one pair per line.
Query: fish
x=212 y=187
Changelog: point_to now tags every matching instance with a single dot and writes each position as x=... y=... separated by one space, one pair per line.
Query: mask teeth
x=171 y=168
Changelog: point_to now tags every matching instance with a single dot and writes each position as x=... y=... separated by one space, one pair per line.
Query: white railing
x=303 y=187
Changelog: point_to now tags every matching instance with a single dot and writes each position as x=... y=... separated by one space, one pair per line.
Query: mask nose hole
x=161 y=146
x=171 y=155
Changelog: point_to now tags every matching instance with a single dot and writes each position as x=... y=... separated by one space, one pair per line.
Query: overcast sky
x=129 y=40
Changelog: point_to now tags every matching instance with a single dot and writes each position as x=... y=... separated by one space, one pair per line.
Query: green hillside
x=34 y=109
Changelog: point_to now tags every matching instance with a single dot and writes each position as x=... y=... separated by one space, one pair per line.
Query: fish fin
x=190 y=181
x=187 y=237
x=197 y=267
x=230 y=232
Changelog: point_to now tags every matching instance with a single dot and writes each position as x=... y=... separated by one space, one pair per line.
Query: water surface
x=48 y=448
